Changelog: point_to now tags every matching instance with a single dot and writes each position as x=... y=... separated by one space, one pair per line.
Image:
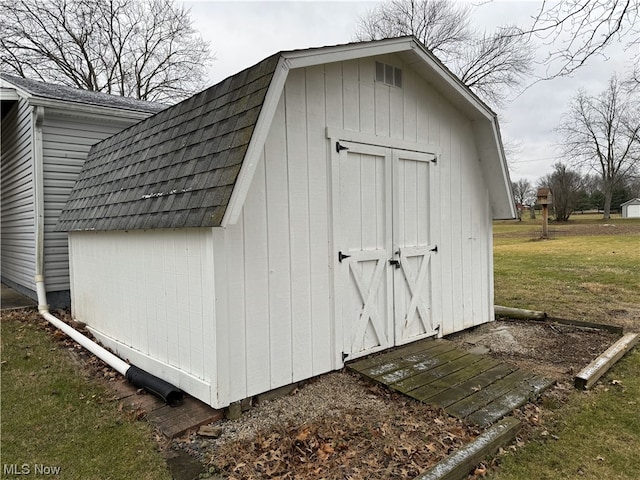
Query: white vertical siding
x=18 y=210
x=273 y=267
x=263 y=317
x=150 y=296
x=66 y=143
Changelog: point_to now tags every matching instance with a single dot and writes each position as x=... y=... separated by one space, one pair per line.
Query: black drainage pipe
x=152 y=384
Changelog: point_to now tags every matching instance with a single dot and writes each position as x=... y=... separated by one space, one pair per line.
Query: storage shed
x=46 y=133
x=319 y=206
x=631 y=208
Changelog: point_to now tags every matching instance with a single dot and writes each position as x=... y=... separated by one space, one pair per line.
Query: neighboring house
x=631 y=209
x=319 y=206
x=46 y=133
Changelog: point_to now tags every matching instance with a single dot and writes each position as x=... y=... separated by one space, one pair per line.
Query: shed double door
x=384 y=247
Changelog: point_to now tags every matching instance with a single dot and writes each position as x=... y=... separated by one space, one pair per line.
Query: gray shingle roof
x=175 y=169
x=76 y=95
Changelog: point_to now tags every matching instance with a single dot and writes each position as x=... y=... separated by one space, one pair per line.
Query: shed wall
x=227 y=313
x=17 y=198
x=149 y=295
x=274 y=275
x=66 y=142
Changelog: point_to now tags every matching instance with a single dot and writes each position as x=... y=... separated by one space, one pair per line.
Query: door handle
x=395 y=263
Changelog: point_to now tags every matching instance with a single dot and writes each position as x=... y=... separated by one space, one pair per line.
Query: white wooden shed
x=46 y=133
x=631 y=208
x=319 y=206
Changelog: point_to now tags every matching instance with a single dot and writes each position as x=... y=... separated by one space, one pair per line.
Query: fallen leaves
x=355 y=445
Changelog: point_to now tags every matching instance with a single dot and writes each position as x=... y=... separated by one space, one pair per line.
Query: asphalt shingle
x=175 y=169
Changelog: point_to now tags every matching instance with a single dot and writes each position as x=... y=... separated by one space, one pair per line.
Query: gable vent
x=388 y=74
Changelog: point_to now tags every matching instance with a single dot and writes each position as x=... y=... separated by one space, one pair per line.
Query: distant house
x=319 y=206
x=47 y=131
x=631 y=209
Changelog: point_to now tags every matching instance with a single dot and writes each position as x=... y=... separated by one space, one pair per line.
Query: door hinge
x=342 y=256
x=434 y=249
x=340 y=147
x=435 y=159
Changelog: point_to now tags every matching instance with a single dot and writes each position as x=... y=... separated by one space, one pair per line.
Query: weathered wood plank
x=463 y=383
x=592 y=372
x=409 y=384
x=519 y=313
x=465 y=373
x=463 y=390
x=422 y=360
x=419 y=361
x=615 y=329
x=481 y=398
x=173 y=422
x=459 y=464
x=508 y=402
x=406 y=369
x=361 y=365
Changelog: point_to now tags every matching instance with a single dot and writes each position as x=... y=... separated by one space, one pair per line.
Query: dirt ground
x=552 y=350
x=339 y=426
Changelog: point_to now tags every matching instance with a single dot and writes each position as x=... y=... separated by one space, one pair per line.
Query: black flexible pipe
x=152 y=384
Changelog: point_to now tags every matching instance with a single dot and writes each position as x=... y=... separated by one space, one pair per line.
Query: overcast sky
x=242 y=33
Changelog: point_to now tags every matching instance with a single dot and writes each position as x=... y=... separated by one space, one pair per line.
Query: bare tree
x=523 y=195
x=602 y=134
x=491 y=64
x=577 y=30
x=522 y=191
x=146 y=49
x=565 y=185
x=440 y=25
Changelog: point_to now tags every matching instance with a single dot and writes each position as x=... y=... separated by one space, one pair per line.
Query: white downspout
x=106 y=356
x=135 y=375
x=41 y=290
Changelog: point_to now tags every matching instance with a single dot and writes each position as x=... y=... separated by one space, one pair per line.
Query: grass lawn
x=54 y=417
x=590 y=270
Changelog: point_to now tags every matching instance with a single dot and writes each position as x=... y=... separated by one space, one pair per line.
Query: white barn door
x=413 y=248
x=365 y=228
x=383 y=287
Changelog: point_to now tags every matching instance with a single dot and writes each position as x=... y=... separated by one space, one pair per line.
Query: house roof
x=191 y=165
x=36 y=90
x=633 y=201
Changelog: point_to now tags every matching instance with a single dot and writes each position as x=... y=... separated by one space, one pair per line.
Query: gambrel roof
x=191 y=164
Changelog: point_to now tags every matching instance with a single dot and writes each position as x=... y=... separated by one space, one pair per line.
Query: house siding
x=18 y=209
x=66 y=142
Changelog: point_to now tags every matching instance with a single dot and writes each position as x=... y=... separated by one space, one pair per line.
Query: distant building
x=631 y=209
x=47 y=131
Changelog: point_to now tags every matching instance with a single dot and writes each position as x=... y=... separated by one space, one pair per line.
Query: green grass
x=575 y=275
x=52 y=415
x=582 y=274
x=598 y=434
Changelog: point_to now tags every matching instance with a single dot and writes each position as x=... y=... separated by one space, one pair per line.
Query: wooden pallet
x=474 y=387
x=172 y=422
